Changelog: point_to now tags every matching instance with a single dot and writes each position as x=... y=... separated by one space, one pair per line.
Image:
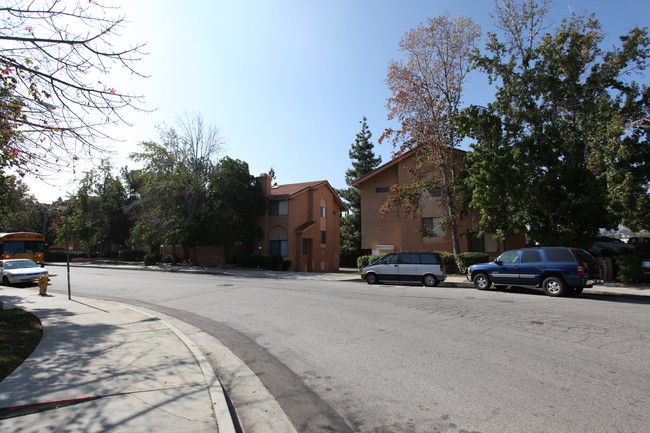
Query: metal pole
x=67 y=250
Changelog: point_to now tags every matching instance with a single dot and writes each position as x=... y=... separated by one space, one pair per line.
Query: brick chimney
x=265 y=182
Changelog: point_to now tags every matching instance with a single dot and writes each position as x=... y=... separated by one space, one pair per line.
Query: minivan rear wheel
x=430 y=280
x=371 y=278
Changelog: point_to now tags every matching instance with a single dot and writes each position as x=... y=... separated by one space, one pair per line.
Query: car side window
x=531 y=256
x=390 y=259
x=429 y=258
x=559 y=255
x=404 y=258
x=509 y=257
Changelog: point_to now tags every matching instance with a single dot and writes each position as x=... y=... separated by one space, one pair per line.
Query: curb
x=220 y=407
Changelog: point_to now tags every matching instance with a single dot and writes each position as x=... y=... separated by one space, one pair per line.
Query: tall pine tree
x=363 y=160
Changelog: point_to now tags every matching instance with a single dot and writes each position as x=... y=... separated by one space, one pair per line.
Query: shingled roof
x=293 y=189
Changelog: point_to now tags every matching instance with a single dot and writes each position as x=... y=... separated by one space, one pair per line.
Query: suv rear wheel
x=554 y=286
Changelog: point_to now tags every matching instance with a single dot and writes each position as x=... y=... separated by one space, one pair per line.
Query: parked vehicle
x=637 y=241
x=406 y=267
x=20 y=271
x=557 y=270
x=604 y=245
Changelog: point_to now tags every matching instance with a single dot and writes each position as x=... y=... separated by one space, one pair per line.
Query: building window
x=278 y=208
x=382 y=189
x=279 y=248
x=487 y=244
x=491 y=243
x=323 y=212
x=432 y=227
x=323 y=237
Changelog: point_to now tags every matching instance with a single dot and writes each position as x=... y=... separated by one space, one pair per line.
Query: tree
x=236 y=202
x=21 y=212
x=426 y=96
x=567 y=121
x=53 y=104
x=363 y=161
x=171 y=206
x=97 y=214
x=14 y=194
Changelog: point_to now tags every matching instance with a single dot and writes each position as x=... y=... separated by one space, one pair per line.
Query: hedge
x=131 y=255
x=629 y=268
x=464 y=260
x=151 y=259
x=61 y=256
x=449 y=261
x=364 y=261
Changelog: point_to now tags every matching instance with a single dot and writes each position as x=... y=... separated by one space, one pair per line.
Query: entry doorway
x=308 y=254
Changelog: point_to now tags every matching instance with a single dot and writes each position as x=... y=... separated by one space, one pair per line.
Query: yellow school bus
x=22 y=245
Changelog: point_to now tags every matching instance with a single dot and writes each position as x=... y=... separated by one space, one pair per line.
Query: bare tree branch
x=54 y=58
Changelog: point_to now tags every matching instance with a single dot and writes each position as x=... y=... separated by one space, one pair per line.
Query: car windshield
x=20 y=264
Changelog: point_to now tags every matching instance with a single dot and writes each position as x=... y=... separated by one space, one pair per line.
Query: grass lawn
x=20 y=333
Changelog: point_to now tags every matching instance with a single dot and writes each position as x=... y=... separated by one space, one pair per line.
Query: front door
x=387 y=268
x=508 y=268
x=307 y=254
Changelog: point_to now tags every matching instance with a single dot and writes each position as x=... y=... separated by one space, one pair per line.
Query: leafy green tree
x=14 y=194
x=363 y=160
x=558 y=151
x=171 y=205
x=21 y=212
x=97 y=211
x=236 y=202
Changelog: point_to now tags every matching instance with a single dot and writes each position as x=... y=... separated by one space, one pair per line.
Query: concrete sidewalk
x=103 y=366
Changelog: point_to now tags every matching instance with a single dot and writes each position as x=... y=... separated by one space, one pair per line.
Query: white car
x=20 y=271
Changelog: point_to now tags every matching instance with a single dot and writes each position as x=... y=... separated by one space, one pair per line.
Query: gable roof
x=381 y=168
x=357 y=183
x=291 y=190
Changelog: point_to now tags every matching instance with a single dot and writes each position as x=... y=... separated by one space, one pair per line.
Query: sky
x=287 y=82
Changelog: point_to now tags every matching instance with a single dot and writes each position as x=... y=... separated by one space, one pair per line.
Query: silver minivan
x=419 y=267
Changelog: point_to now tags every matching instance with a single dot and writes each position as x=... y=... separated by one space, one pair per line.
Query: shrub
x=464 y=260
x=131 y=255
x=169 y=259
x=364 y=261
x=61 y=256
x=449 y=261
x=629 y=268
x=286 y=264
x=152 y=259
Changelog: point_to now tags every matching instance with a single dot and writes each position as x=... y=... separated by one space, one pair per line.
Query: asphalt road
x=345 y=356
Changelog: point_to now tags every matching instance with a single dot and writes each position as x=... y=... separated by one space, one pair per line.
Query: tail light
x=581 y=271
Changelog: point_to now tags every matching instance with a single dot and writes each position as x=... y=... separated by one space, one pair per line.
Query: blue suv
x=558 y=271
